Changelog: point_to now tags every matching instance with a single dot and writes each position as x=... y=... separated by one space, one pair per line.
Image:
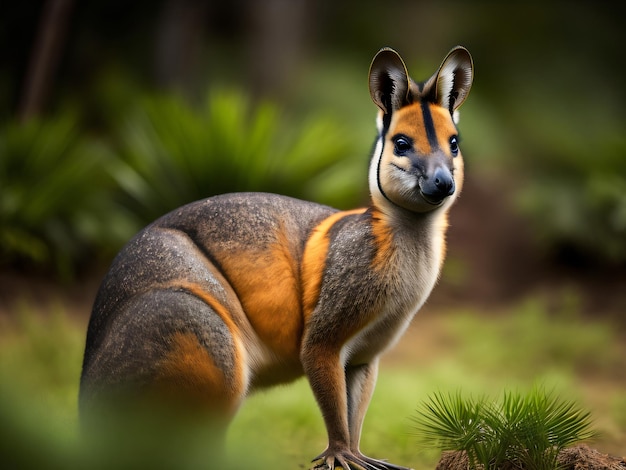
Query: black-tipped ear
x=389 y=81
x=454 y=79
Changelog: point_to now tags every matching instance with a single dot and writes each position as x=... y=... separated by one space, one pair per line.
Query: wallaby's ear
x=389 y=81
x=453 y=80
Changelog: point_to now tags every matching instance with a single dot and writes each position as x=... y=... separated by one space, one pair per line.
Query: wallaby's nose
x=443 y=181
x=439 y=186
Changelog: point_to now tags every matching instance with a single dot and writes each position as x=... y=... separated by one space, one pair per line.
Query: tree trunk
x=45 y=58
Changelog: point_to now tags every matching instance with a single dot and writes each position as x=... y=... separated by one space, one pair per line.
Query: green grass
x=475 y=353
x=40 y=359
x=535 y=341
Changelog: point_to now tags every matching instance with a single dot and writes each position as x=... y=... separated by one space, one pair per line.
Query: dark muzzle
x=439 y=186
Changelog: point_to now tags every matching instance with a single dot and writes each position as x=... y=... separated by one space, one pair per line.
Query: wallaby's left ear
x=389 y=81
x=454 y=79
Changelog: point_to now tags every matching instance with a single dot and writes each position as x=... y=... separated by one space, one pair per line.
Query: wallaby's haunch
x=239 y=292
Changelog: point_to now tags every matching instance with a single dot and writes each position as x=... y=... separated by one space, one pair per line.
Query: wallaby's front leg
x=328 y=379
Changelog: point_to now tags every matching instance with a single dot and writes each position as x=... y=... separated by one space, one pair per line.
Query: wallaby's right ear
x=389 y=81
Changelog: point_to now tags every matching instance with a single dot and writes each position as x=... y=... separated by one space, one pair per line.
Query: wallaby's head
x=417 y=163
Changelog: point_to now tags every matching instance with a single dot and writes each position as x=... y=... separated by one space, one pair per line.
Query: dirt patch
x=580 y=457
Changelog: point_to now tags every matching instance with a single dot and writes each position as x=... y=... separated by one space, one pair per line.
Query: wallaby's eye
x=454 y=145
x=402 y=145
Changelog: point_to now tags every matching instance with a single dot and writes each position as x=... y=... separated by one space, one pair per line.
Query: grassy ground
x=445 y=349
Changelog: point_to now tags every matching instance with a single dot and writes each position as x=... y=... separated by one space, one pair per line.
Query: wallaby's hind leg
x=171 y=347
x=201 y=365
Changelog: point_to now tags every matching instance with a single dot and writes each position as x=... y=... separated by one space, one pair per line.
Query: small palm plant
x=521 y=431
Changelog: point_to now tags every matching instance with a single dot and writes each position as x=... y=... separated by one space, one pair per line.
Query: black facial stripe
x=380 y=160
x=383 y=133
x=429 y=126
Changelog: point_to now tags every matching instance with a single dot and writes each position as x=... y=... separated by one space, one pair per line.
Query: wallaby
x=242 y=291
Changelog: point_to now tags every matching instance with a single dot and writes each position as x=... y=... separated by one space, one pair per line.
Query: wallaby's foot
x=347 y=460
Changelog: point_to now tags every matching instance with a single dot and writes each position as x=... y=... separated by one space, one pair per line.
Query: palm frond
x=526 y=430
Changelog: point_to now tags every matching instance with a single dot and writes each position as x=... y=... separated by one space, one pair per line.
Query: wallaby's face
x=421 y=167
x=417 y=163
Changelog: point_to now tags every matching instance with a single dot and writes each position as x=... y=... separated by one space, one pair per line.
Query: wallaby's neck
x=415 y=224
x=415 y=240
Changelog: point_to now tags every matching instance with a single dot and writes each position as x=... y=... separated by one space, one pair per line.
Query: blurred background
x=113 y=113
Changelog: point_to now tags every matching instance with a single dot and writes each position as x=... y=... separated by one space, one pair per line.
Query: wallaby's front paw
x=330 y=460
x=347 y=460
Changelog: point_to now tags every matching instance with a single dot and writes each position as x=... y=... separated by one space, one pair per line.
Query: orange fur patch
x=275 y=306
x=444 y=125
x=384 y=240
x=410 y=122
x=237 y=387
x=189 y=371
x=268 y=287
x=314 y=260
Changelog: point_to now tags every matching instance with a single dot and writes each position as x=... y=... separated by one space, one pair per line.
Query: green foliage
x=172 y=154
x=55 y=210
x=450 y=423
x=68 y=197
x=526 y=430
